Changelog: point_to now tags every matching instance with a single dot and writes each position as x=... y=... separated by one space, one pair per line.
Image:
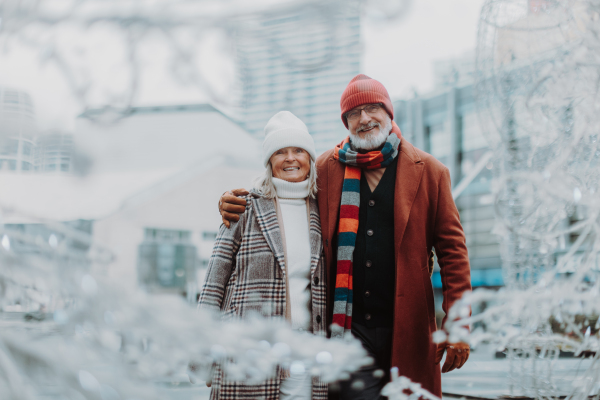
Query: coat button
x=371 y=203
x=367 y=293
x=370 y=232
x=368 y=317
x=316 y=280
x=318 y=319
x=368 y=263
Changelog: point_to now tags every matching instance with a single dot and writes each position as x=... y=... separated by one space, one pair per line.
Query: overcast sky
x=399 y=54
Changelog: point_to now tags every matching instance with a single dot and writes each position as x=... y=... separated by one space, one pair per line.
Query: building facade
x=445 y=124
x=23 y=146
x=298 y=60
x=17 y=130
x=163 y=232
x=54 y=152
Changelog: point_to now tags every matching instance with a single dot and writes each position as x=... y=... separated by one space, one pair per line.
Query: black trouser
x=366 y=383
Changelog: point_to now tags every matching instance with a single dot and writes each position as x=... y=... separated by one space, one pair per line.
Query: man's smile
x=367 y=127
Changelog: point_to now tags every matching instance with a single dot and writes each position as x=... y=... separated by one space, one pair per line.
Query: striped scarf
x=348 y=224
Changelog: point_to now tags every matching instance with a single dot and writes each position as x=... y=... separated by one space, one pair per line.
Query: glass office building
x=17 y=130
x=298 y=60
x=54 y=152
x=445 y=124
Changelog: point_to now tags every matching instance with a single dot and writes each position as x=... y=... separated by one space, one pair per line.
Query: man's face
x=368 y=121
x=369 y=127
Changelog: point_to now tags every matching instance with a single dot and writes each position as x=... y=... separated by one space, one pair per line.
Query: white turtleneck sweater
x=292 y=202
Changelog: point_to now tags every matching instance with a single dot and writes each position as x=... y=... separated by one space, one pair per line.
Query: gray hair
x=264 y=183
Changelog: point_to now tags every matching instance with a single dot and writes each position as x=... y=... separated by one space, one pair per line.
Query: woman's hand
x=231 y=206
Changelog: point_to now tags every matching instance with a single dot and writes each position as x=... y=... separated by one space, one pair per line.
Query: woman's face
x=291 y=164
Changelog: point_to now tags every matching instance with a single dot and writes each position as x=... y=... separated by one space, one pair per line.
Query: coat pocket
x=429 y=298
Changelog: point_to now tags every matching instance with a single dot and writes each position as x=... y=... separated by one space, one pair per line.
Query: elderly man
x=384 y=205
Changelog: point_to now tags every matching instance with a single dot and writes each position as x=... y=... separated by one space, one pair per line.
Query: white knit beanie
x=284 y=129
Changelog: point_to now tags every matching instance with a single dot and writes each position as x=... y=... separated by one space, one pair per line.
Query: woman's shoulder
x=252 y=198
x=254 y=195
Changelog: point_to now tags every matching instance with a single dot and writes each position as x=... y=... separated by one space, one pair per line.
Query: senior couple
x=342 y=245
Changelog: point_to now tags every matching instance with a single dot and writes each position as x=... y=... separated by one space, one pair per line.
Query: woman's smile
x=291 y=164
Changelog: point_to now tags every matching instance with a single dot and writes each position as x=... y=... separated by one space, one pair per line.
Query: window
x=11 y=97
x=165 y=263
x=166 y=259
x=207 y=235
x=473 y=137
x=27 y=148
x=439 y=140
x=9 y=146
x=167 y=235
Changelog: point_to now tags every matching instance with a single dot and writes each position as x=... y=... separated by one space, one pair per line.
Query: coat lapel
x=266 y=216
x=408 y=178
x=335 y=182
x=314 y=232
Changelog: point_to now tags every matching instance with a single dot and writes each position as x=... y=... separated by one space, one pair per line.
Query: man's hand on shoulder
x=231 y=206
x=457 y=355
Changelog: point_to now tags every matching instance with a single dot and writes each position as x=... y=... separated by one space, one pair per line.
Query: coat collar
x=266 y=216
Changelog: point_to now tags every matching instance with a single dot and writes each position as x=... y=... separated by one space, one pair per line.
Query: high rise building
x=298 y=59
x=17 y=130
x=54 y=152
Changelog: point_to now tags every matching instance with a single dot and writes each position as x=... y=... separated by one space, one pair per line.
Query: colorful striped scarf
x=348 y=224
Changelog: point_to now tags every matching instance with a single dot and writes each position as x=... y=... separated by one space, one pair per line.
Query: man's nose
x=364 y=117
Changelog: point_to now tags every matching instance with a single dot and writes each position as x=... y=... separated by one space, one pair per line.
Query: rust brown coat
x=425 y=217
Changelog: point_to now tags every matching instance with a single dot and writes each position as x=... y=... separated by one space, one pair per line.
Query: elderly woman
x=270 y=261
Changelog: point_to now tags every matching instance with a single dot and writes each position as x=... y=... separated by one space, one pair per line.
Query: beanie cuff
x=288 y=137
x=365 y=97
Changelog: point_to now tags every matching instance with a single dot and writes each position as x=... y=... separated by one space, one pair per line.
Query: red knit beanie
x=364 y=90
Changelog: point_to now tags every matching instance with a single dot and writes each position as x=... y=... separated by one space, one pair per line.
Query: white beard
x=371 y=142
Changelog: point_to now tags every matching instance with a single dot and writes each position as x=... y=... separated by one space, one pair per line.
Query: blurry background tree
x=89 y=337
x=241 y=54
x=538 y=99
x=536 y=89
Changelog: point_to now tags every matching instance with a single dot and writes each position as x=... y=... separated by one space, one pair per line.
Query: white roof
x=163 y=137
x=148 y=153
x=34 y=198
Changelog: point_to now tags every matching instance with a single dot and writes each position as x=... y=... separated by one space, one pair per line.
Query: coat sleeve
x=221 y=264
x=450 y=246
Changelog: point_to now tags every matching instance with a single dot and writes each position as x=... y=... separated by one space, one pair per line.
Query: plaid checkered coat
x=246 y=273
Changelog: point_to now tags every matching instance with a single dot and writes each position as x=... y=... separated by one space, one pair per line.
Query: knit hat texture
x=284 y=129
x=364 y=90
